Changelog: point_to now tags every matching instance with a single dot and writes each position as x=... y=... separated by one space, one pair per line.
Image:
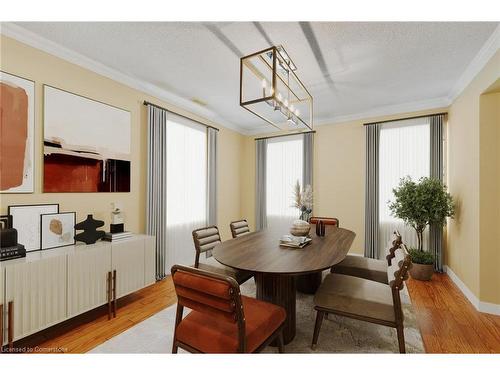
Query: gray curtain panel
x=156 y=205
x=260 y=184
x=436 y=171
x=307 y=160
x=212 y=176
x=371 y=191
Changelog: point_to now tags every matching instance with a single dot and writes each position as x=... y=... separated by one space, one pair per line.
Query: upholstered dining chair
x=221 y=320
x=239 y=228
x=205 y=239
x=368 y=268
x=327 y=220
x=366 y=300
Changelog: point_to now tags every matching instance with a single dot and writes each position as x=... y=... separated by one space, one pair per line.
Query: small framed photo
x=26 y=219
x=57 y=229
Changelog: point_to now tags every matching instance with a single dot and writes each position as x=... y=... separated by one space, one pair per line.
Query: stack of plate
x=300 y=228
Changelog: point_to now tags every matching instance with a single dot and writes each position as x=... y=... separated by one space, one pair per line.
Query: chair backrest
x=212 y=294
x=397 y=273
x=396 y=243
x=205 y=239
x=239 y=228
x=327 y=220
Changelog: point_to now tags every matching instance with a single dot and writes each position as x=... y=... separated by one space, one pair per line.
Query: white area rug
x=337 y=335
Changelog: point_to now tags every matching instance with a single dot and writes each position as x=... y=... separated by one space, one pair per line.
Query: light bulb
x=292 y=108
x=264 y=83
x=286 y=103
x=279 y=97
x=297 y=113
x=271 y=91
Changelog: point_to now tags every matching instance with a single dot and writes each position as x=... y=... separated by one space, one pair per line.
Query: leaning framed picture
x=57 y=230
x=26 y=219
x=17 y=127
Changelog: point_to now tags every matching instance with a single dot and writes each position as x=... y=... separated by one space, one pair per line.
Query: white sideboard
x=50 y=286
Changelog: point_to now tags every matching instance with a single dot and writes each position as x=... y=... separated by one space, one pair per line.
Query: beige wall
x=465 y=249
x=489 y=202
x=338 y=175
x=43 y=68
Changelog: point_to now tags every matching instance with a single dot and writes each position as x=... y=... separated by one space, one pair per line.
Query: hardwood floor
x=447 y=321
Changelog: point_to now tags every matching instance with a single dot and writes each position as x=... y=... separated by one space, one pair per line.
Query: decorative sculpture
x=89 y=235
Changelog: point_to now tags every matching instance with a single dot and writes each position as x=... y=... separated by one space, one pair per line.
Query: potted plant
x=420 y=204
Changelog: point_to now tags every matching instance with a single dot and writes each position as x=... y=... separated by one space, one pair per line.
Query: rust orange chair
x=221 y=320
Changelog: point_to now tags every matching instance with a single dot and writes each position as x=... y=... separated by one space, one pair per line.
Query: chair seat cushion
x=366 y=268
x=212 y=265
x=349 y=295
x=210 y=335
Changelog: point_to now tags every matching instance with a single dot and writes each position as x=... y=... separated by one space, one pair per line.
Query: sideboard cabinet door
x=3 y=309
x=38 y=292
x=127 y=258
x=87 y=277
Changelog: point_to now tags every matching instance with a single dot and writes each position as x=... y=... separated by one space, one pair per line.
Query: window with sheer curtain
x=404 y=151
x=283 y=169
x=186 y=187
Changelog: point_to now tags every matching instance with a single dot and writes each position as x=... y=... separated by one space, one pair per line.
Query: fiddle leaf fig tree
x=422 y=203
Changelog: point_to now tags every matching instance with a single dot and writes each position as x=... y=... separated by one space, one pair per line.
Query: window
x=284 y=168
x=404 y=151
x=186 y=186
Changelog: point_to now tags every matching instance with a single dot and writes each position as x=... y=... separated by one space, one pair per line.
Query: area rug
x=337 y=335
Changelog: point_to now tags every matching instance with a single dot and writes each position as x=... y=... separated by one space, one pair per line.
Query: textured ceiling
x=349 y=68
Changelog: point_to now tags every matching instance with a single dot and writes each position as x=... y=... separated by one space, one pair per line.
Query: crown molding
x=489 y=48
x=34 y=40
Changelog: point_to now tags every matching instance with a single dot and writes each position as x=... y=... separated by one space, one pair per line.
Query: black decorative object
x=89 y=235
x=8 y=237
x=5 y=221
x=116 y=228
x=320 y=228
x=12 y=252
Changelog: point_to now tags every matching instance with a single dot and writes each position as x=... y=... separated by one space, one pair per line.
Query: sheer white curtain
x=404 y=151
x=283 y=169
x=186 y=187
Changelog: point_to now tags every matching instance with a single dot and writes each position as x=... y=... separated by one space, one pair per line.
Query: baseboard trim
x=486 y=307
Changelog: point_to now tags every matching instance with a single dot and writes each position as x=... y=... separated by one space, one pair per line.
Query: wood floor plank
x=448 y=322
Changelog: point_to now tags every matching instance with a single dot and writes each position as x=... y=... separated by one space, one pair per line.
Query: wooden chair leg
x=174 y=348
x=401 y=339
x=317 y=327
x=280 y=342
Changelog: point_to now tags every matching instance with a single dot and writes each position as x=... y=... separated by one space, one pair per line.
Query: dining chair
x=239 y=228
x=366 y=300
x=222 y=320
x=205 y=239
x=368 y=268
x=327 y=220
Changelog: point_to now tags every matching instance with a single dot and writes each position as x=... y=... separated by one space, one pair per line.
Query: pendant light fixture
x=271 y=90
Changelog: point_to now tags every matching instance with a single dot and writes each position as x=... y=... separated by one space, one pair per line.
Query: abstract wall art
x=86 y=144
x=57 y=230
x=26 y=219
x=17 y=128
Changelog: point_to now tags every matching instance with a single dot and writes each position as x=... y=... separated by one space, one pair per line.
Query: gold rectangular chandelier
x=271 y=90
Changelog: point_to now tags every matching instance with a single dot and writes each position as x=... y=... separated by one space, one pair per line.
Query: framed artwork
x=57 y=230
x=17 y=127
x=5 y=221
x=86 y=144
x=26 y=219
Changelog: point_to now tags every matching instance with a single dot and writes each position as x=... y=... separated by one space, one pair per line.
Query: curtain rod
x=284 y=135
x=179 y=114
x=406 y=118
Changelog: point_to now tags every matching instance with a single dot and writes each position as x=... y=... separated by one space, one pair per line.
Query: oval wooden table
x=275 y=267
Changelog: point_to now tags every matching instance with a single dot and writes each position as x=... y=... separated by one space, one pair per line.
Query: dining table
x=276 y=267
